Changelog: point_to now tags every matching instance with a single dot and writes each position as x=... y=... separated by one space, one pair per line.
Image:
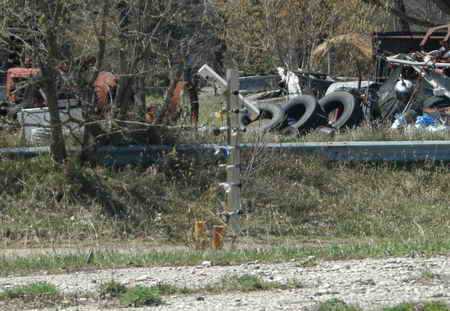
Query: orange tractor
x=21 y=92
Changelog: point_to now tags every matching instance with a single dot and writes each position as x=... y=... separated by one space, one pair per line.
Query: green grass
x=369 y=134
x=339 y=305
x=63 y=263
x=244 y=283
x=336 y=305
x=429 y=306
x=354 y=210
x=169 y=290
x=428 y=276
x=293 y=196
x=151 y=296
x=40 y=290
x=140 y=296
x=248 y=283
x=112 y=289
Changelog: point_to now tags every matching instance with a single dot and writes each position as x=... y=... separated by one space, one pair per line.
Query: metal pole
x=234 y=108
x=208 y=73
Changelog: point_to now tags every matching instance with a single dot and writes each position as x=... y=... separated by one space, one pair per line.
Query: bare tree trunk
x=124 y=90
x=91 y=129
x=404 y=25
x=50 y=75
x=57 y=145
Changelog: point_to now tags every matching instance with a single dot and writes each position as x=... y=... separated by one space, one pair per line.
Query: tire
x=351 y=113
x=303 y=113
x=272 y=112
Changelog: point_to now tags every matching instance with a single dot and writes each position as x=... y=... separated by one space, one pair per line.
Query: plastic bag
x=425 y=121
x=400 y=122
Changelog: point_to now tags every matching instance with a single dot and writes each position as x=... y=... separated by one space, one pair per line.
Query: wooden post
x=234 y=164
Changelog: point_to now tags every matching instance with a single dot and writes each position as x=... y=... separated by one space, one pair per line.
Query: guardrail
x=399 y=151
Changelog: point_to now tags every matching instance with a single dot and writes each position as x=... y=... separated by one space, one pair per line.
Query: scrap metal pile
x=411 y=90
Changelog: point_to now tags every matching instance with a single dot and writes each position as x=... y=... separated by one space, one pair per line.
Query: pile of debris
x=411 y=90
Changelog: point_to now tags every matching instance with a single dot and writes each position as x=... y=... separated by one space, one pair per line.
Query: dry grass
x=293 y=196
x=9 y=139
x=358 y=42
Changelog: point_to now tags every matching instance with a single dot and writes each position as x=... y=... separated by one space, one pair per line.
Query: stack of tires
x=305 y=113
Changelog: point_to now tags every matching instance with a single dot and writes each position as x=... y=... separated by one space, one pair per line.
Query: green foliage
x=427 y=276
x=31 y=292
x=429 y=306
x=328 y=250
x=248 y=283
x=168 y=289
x=245 y=283
x=140 y=296
x=292 y=195
x=336 y=305
x=112 y=289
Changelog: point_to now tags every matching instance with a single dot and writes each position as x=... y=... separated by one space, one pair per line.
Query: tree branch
x=403 y=16
x=443 y=5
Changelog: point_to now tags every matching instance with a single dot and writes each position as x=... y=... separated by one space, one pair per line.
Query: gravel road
x=369 y=283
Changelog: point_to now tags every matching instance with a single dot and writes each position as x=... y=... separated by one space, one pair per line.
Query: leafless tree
x=163 y=37
x=411 y=11
x=58 y=36
x=38 y=26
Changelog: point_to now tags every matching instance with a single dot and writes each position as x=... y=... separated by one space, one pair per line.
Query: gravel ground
x=369 y=283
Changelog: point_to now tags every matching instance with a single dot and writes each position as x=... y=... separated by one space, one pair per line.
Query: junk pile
x=23 y=99
x=411 y=90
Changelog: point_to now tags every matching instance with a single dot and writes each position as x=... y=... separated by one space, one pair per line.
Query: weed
x=336 y=305
x=356 y=210
x=292 y=284
x=168 y=289
x=427 y=276
x=369 y=134
x=248 y=283
x=112 y=289
x=244 y=283
x=330 y=251
x=9 y=139
x=140 y=296
x=429 y=306
x=308 y=262
x=33 y=291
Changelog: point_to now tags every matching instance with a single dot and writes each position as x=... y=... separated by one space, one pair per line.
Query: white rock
x=206 y=264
